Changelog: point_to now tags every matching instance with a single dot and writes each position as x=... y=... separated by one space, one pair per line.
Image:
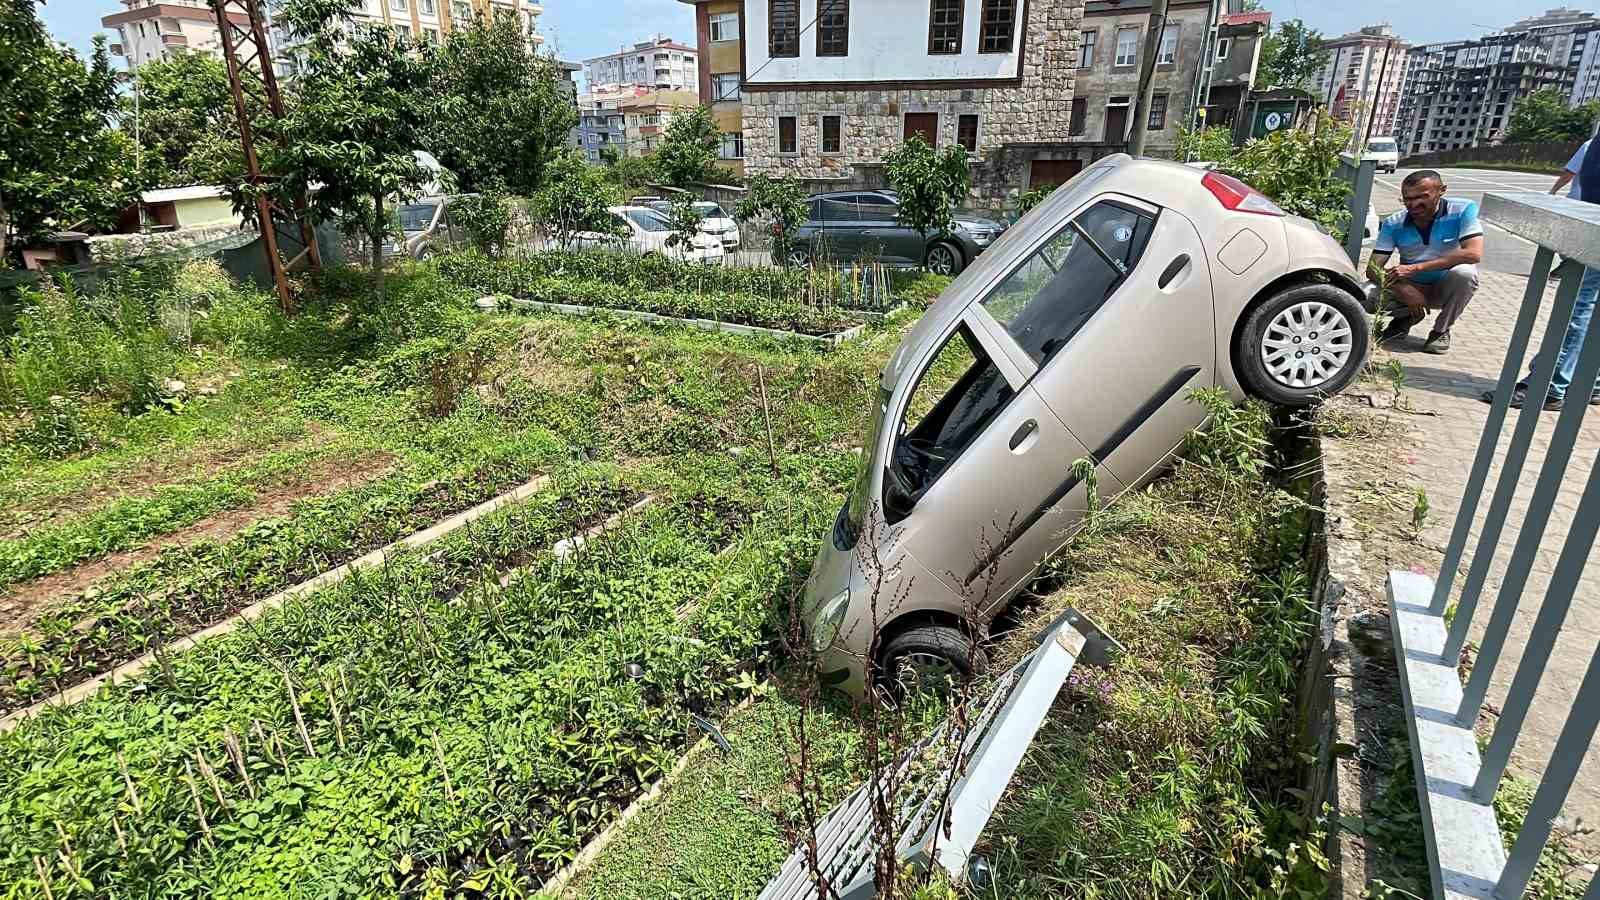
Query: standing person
x=1582 y=307
x=1440 y=244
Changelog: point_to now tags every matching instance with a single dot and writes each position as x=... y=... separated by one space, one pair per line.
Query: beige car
x=1078 y=335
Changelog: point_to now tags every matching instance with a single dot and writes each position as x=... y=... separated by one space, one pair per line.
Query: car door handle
x=1022 y=432
x=1172 y=270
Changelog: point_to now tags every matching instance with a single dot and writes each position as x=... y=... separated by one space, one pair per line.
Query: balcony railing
x=1455 y=784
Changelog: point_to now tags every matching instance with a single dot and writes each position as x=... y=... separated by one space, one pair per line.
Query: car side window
x=877 y=209
x=839 y=211
x=1047 y=299
x=956 y=397
x=814 y=210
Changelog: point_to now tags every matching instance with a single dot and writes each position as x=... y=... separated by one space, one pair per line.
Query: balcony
x=175 y=40
x=534 y=7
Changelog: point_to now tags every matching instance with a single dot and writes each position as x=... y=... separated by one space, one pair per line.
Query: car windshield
x=710 y=210
x=649 y=220
x=848 y=526
x=417 y=216
x=1381 y=147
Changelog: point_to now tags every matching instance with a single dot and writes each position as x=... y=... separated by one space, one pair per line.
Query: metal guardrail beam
x=1456 y=787
x=1359 y=172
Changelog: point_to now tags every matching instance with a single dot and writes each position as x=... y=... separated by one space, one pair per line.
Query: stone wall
x=1037 y=110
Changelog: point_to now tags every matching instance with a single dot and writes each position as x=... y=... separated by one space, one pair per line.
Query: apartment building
x=646 y=117
x=149 y=30
x=152 y=29
x=1112 y=43
x=660 y=63
x=1572 y=36
x=1364 y=79
x=1462 y=93
x=824 y=97
x=601 y=121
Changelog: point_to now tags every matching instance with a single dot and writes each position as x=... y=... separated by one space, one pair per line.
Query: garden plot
x=399 y=734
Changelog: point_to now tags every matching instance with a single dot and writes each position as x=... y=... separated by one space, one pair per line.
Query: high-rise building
x=1362 y=82
x=659 y=63
x=149 y=30
x=1462 y=93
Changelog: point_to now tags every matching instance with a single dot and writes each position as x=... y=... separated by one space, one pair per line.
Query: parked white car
x=642 y=230
x=715 y=222
x=1386 y=151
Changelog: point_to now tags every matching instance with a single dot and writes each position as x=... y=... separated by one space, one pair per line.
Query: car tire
x=918 y=655
x=1302 y=344
x=797 y=258
x=943 y=258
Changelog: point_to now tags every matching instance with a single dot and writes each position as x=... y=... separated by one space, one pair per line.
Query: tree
x=357 y=118
x=62 y=163
x=780 y=201
x=574 y=198
x=1214 y=144
x=1544 y=116
x=1291 y=56
x=487 y=220
x=929 y=183
x=1299 y=171
x=499 y=116
x=688 y=151
x=181 y=113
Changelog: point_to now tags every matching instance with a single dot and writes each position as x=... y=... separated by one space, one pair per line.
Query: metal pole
x=1516 y=454
x=1509 y=372
x=1147 y=78
x=1545 y=490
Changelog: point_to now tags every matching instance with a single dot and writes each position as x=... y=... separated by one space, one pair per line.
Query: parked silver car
x=1078 y=335
x=427 y=228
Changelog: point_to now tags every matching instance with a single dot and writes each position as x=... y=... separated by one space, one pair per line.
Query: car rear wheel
x=1302 y=344
x=929 y=658
x=944 y=259
x=797 y=257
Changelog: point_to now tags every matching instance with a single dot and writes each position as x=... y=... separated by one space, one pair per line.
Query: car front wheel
x=929 y=658
x=1302 y=344
x=944 y=259
x=797 y=258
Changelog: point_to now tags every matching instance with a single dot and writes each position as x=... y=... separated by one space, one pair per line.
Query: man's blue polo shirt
x=1457 y=219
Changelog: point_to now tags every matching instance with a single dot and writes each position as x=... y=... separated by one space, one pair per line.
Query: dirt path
x=22 y=604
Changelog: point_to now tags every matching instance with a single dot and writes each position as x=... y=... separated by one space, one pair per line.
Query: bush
x=487 y=219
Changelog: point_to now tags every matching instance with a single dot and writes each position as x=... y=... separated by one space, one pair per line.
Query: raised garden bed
x=568 y=309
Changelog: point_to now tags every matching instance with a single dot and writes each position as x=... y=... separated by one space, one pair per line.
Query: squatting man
x=1440 y=244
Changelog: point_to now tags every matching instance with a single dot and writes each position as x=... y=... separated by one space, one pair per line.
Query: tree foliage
x=62 y=163
x=688 y=151
x=929 y=183
x=1298 y=169
x=359 y=115
x=1545 y=116
x=575 y=198
x=1291 y=56
x=684 y=220
x=499 y=115
x=487 y=220
x=1214 y=144
x=182 y=115
x=779 y=201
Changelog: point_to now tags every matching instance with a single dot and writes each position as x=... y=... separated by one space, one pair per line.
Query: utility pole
x=1147 y=77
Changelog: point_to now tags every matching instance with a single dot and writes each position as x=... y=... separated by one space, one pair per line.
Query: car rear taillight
x=1238 y=196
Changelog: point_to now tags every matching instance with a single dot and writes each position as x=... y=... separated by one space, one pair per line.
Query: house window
x=783 y=35
x=967 y=132
x=1167 y=54
x=725 y=26
x=944 y=26
x=461 y=9
x=832 y=133
x=1222 y=50
x=1080 y=112
x=427 y=6
x=725 y=87
x=732 y=146
x=403 y=30
x=398 y=5
x=1086 y=49
x=999 y=23
x=925 y=125
x=787 y=140
x=431 y=35
x=1158 y=112
x=833 y=28
x=1127 y=47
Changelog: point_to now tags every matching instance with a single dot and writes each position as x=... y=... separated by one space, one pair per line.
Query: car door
x=1116 y=326
x=882 y=232
x=985 y=465
x=839 y=232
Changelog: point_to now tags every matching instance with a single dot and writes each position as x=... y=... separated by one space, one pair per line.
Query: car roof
x=832 y=194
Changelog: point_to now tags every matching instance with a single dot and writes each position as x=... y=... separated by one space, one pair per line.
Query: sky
x=579 y=29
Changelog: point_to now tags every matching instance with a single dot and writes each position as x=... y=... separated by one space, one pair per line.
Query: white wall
x=888 y=42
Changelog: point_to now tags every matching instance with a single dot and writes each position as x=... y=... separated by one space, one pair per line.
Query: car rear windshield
x=417 y=216
x=648 y=220
x=710 y=210
x=1381 y=147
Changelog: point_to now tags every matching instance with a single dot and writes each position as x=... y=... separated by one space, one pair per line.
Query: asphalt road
x=1503 y=252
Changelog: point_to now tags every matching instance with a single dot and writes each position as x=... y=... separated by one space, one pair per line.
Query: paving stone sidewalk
x=1437 y=455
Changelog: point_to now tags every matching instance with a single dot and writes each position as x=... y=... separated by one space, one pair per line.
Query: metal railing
x=1456 y=786
x=1359 y=173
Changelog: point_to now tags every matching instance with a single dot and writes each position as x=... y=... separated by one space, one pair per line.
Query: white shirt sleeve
x=1576 y=162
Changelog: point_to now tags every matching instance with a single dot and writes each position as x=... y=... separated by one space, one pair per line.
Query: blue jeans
x=1572 y=343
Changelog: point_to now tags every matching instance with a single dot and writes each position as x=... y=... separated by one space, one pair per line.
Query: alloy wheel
x=941 y=260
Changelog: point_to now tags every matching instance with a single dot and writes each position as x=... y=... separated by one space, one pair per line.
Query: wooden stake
x=236 y=753
x=127 y=781
x=333 y=707
x=199 y=808
x=44 y=877
x=438 y=750
x=122 y=842
x=210 y=776
x=299 y=720
x=766 y=413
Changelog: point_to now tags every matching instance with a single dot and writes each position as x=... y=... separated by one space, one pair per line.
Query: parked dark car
x=845 y=226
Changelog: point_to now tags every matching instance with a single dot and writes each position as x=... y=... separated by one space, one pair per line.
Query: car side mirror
x=898 y=500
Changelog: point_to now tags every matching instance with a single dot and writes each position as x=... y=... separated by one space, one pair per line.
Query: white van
x=1386 y=150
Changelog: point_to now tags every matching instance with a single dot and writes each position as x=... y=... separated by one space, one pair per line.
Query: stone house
x=824 y=98
x=1114 y=39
